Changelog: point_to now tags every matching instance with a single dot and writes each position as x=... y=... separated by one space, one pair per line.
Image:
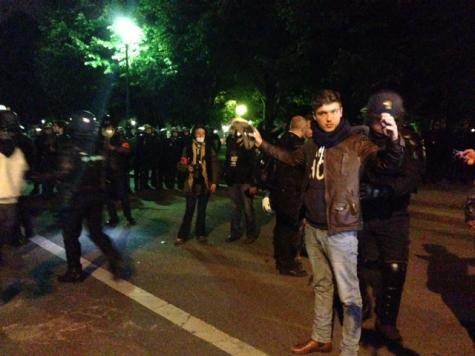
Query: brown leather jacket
x=343 y=168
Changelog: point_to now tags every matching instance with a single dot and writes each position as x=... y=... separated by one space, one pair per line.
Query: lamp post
x=130 y=34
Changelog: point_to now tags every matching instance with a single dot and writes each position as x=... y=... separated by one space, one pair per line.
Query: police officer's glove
x=266 y=206
x=371 y=191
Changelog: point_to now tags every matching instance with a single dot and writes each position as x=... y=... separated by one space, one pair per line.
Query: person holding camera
x=241 y=171
x=201 y=163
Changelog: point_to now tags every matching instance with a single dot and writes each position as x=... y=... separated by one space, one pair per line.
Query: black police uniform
x=117 y=176
x=384 y=241
x=286 y=201
x=81 y=176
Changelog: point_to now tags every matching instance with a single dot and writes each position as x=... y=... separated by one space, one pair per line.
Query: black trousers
x=191 y=202
x=287 y=241
x=8 y=220
x=118 y=189
x=383 y=254
x=88 y=210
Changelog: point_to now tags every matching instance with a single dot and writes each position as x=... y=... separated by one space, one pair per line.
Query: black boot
x=387 y=304
x=72 y=275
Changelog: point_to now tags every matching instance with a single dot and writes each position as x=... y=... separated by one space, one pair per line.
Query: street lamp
x=241 y=110
x=130 y=34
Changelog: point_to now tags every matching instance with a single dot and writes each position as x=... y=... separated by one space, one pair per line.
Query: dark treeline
x=196 y=55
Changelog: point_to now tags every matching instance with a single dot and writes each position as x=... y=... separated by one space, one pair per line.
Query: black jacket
x=390 y=192
x=286 y=181
x=241 y=166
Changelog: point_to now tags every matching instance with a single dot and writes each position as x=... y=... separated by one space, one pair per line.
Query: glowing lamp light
x=133 y=122
x=38 y=129
x=127 y=30
x=241 y=110
x=3 y=107
x=472 y=130
x=43 y=121
x=86 y=120
x=225 y=128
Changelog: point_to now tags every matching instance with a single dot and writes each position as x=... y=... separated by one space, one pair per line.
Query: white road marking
x=181 y=318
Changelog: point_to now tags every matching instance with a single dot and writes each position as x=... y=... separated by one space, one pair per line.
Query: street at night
x=237 y=177
x=231 y=287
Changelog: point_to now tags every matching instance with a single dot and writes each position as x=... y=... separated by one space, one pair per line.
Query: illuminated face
x=200 y=134
x=108 y=131
x=328 y=116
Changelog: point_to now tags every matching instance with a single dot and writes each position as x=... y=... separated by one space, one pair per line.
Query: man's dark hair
x=325 y=97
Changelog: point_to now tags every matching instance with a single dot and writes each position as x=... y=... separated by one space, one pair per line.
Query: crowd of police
x=341 y=191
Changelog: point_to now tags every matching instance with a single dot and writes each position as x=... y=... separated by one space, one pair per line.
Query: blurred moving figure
x=13 y=166
x=80 y=173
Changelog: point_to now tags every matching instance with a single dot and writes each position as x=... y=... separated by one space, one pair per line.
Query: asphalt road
x=221 y=298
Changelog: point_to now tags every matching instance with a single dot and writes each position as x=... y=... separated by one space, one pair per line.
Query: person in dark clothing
x=241 y=171
x=184 y=140
x=117 y=153
x=201 y=165
x=385 y=196
x=286 y=201
x=80 y=173
x=333 y=161
x=173 y=149
x=47 y=154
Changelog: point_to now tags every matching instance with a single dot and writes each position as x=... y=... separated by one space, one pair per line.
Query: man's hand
x=257 y=137
x=469 y=156
x=212 y=188
x=389 y=126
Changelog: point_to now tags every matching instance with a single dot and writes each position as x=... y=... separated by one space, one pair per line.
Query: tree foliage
x=270 y=54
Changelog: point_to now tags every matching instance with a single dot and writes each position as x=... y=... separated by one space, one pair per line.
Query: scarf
x=198 y=150
x=330 y=139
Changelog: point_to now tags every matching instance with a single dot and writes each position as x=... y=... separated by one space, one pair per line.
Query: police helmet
x=9 y=121
x=385 y=101
x=84 y=124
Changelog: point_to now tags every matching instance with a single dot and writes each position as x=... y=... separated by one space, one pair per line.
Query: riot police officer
x=384 y=241
x=81 y=176
x=117 y=153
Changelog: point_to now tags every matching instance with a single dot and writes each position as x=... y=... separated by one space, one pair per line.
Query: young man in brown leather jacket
x=333 y=161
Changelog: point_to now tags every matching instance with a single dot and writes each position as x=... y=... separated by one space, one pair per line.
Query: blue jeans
x=334 y=259
x=242 y=203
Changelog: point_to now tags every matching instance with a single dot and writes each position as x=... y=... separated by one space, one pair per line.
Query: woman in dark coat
x=200 y=161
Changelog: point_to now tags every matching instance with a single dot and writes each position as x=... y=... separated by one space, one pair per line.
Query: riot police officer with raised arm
x=384 y=241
